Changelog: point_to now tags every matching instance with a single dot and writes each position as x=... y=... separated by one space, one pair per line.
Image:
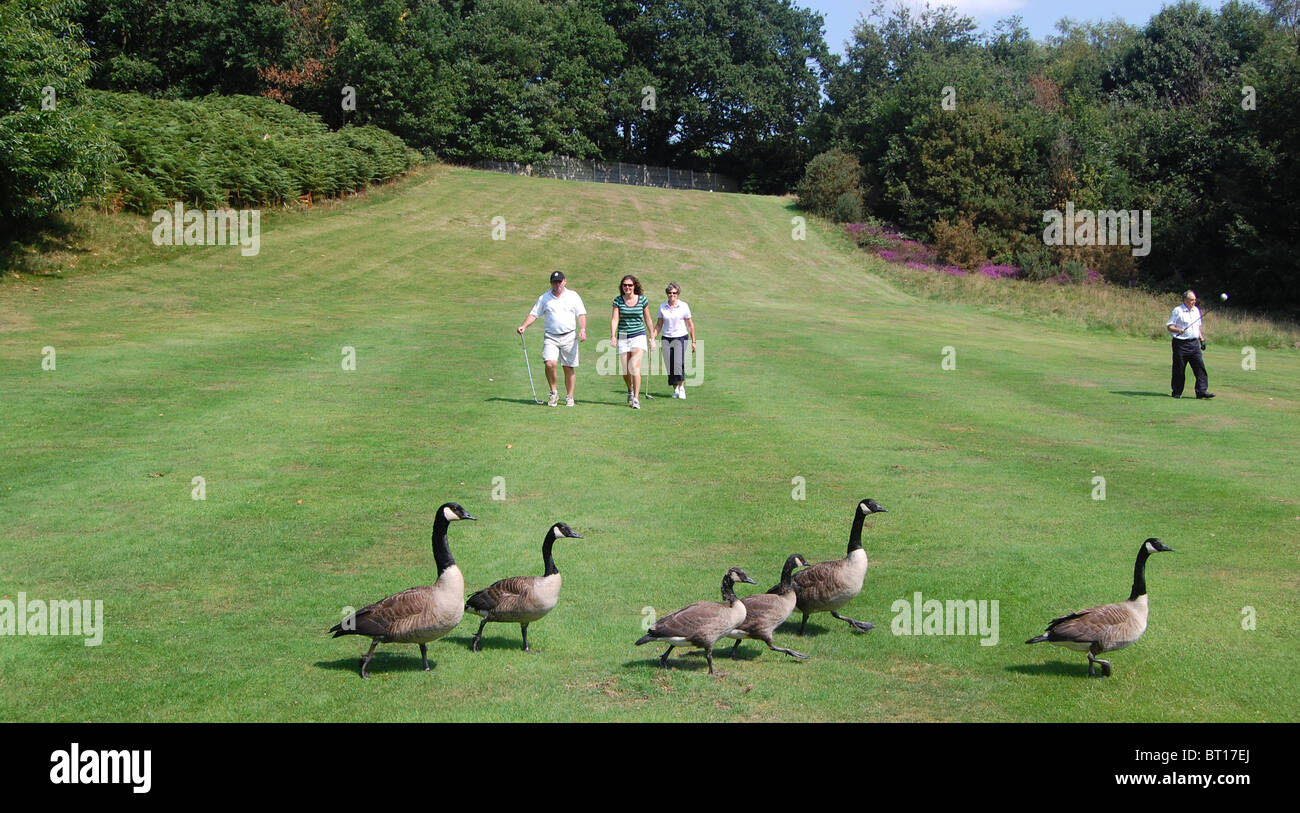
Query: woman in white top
x=674 y=326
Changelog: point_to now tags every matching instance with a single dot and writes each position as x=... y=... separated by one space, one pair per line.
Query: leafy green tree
x=183 y=49
x=1179 y=58
x=723 y=84
x=396 y=59
x=49 y=158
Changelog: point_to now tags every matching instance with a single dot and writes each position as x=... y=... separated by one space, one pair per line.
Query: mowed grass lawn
x=321 y=482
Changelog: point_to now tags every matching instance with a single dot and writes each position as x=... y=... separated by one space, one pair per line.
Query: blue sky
x=1039 y=16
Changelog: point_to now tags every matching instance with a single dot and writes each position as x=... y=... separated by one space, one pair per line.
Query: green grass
x=321 y=483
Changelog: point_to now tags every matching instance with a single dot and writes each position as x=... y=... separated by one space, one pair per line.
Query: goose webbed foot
x=1092 y=666
x=789 y=652
x=663 y=659
x=860 y=626
x=478 y=636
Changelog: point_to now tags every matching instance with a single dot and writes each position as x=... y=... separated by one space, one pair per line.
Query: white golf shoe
x=554 y=399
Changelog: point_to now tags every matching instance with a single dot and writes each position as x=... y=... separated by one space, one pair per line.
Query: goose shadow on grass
x=406 y=657
x=503 y=641
x=382 y=663
x=790 y=630
x=752 y=650
x=678 y=661
x=1063 y=668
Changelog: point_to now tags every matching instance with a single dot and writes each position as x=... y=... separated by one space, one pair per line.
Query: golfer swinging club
x=563 y=311
x=1184 y=326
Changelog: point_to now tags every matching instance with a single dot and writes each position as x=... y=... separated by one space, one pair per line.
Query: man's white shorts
x=562 y=348
x=626 y=345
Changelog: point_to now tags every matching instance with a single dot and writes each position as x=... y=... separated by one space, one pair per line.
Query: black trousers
x=674 y=349
x=1188 y=351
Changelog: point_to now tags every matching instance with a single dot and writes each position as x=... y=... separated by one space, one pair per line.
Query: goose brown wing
x=1087 y=625
x=765 y=611
x=378 y=619
x=504 y=595
x=687 y=621
x=821 y=581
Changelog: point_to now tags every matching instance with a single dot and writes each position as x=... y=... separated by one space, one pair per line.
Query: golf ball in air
x=1224 y=297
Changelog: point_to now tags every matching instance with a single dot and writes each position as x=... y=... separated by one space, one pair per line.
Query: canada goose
x=828 y=586
x=1109 y=626
x=524 y=599
x=764 y=612
x=702 y=623
x=420 y=614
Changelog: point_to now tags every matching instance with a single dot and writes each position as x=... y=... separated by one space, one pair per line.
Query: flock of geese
x=420 y=615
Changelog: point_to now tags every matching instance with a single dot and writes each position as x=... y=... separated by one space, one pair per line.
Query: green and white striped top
x=631 y=318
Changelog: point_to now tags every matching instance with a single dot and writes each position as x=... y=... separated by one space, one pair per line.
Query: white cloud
x=969 y=8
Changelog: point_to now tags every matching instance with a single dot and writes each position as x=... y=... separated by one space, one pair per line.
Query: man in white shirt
x=1185 y=326
x=563 y=312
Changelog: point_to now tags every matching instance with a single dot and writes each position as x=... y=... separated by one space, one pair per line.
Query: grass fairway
x=321 y=482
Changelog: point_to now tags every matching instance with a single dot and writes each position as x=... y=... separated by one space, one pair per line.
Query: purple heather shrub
x=1000 y=271
x=1093 y=275
x=855 y=228
x=886 y=254
x=954 y=270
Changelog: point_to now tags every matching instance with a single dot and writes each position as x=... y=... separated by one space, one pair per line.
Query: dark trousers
x=674 y=348
x=1188 y=351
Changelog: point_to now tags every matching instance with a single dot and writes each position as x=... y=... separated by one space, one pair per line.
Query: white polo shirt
x=674 y=319
x=1183 y=318
x=560 y=312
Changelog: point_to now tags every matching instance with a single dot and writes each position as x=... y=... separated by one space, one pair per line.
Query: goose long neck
x=1140 y=574
x=728 y=594
x=548 y=561
x=441 y=553
x=855 y=536
x=787 y=579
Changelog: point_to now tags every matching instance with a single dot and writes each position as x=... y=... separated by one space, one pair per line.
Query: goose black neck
x=1140 y=574
x=547 y=560
x=441 y=553
x=787 y=580
x=855 y=537
x=728 y=594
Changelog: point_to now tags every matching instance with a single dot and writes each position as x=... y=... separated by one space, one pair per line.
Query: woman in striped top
x=629 y=324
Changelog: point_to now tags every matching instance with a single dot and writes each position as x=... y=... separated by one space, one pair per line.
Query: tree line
x=952 y=135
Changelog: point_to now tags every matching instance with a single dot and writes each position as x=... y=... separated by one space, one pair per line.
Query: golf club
x=529 y=367
x=1205 y=310
x=1222 y=298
